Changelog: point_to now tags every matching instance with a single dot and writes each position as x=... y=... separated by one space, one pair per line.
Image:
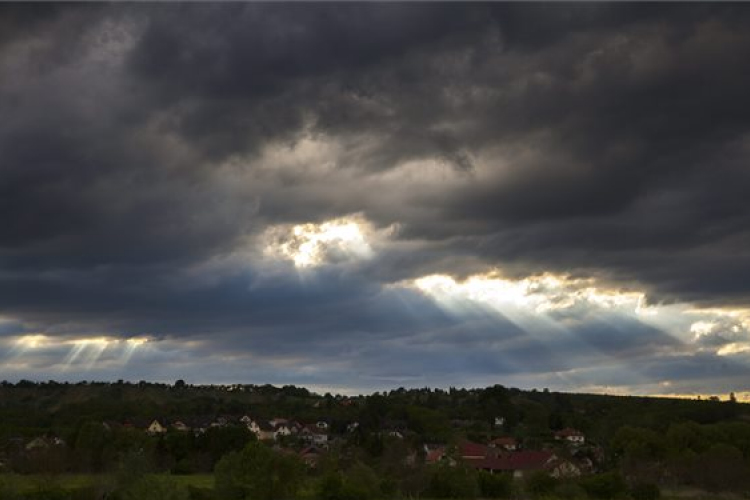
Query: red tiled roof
x=468 y=449
x=504 y=441
x=434 y=455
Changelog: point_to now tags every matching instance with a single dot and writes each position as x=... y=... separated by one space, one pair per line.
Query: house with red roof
x=472 y=451
x=518 y=463
x=504 y=443
x=570 y=435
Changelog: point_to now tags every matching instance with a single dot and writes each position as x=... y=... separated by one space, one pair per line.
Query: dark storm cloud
x=140 y=145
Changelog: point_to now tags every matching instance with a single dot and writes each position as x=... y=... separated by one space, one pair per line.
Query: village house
x=314 y=434
x=570 y=435
x=495 y=459
x=156 y=428
x=252 y=425
x=43 y=443
x=180 y=426
x=435 y=454
x=265 y=432
x=281 y=430
x=518 y=463
x=504 y=443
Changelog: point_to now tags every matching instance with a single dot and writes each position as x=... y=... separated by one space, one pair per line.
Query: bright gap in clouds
x=82 y=353
x=345 y=239
x=558 y=300
x=540 y=294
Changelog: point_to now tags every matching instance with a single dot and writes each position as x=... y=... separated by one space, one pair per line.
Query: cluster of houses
x=504 y=455
x=500 y=455
x=272 y=430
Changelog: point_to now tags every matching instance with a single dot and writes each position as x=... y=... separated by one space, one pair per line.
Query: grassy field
x=34 y=482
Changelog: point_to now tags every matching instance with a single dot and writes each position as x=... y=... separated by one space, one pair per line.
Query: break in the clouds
x=366 y=196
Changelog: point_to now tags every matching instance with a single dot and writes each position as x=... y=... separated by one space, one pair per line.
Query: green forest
x=123 y=440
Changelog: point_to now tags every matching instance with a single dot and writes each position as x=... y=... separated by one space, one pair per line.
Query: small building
x=472 y=451
x=518 y=463
x=281 y=430
x=315 y=435
x=180 y=426
x=570 y=435
x=434 y=454
x=265 y=432
x=156 y=428
x=504 y=443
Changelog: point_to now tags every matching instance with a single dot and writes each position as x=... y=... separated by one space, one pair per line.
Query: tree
x=604 y=486
x=360 y=482
x=258 y=473
x=495 y=485
x=8 y=488
x=645 y=491
x=452 y=482
x=131 y=468
x=89 y=445
x=540 y=484
x=218 y=441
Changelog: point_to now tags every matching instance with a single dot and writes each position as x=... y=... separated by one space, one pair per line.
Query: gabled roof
x=467 y=449
x=265 y=426
x=434 y=455
x=504 y=441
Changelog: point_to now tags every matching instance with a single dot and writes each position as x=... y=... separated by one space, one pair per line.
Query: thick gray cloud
x=145 y=151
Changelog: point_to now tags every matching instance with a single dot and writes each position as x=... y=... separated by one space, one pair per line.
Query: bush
x=359 y=483
x=645 y=491
x=259 y=473
x=155 y=488
x=540 y=484
x=604 y=486
x=452 y=482
x=569 y=491
x=332 y=487
x=495 y=485
x=8 y=489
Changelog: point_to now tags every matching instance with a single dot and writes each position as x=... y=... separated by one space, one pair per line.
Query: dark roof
x=519 y=460
x=504 y=441
x=568 y=432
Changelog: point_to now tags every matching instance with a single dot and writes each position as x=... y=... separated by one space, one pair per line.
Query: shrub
x=452 y=482
x=540 y=484
x=495 y=485
x=604 y=486
x=569 y=491
x=645 y=491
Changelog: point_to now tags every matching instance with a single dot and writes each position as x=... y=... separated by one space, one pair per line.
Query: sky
x=355 y=197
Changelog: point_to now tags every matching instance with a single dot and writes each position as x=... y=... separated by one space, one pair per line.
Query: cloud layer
x=260 y=189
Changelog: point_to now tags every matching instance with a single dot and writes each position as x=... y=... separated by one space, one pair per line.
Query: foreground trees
x=259 y=473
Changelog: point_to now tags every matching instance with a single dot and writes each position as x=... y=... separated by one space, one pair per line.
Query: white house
x=156 y=428
x=570 y=435
x=314 y=435
x=281 y=430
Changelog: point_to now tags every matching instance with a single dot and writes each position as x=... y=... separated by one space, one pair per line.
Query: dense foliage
x=635 y=446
